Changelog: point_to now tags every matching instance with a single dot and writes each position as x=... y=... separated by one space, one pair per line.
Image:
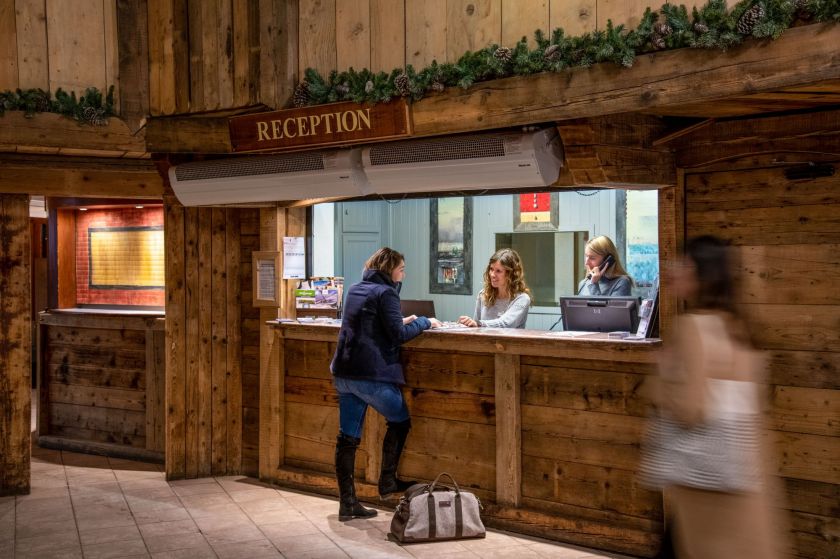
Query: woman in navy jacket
x=367 y=372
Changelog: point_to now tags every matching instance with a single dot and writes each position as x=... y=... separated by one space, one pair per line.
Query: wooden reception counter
x=102 y=382
x=545 y=429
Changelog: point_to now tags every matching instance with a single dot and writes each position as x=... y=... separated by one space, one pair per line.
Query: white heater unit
x=469 y=162
x=270 y=178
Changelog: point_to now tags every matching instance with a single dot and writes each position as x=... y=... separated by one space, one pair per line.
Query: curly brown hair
x=515 y=276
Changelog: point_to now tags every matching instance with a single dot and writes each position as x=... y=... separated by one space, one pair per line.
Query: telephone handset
x=606 y=263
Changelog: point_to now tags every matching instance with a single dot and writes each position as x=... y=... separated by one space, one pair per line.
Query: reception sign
x=322 y=125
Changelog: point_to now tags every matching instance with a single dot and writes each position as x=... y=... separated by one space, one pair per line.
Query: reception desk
x=544 y=429
x=101 y=382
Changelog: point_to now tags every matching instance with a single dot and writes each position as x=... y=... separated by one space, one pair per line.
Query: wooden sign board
x=322 y=125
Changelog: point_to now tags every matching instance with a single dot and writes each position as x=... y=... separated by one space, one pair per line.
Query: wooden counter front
x=546 y=430
x=102 y=382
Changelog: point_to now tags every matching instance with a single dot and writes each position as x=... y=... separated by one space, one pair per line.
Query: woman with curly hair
x=505 y=299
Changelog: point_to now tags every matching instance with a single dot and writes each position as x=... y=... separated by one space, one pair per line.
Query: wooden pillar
x=203 y=341
x=275 y=223
x=508 y=430
x=15 y=344
x=671 y=241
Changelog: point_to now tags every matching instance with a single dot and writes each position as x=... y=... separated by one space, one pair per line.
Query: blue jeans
x=354 y=397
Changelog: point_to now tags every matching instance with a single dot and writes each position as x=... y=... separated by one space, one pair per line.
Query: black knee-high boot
x=345 y=461
x=392 y=447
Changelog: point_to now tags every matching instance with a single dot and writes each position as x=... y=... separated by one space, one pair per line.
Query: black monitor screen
x=600 y=314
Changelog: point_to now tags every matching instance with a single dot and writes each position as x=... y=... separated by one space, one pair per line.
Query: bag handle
x=455 y=483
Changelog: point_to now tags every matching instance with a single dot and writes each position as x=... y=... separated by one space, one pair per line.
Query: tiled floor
x=98 y=508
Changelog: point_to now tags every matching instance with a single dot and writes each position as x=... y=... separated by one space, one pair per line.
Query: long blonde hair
x=603 y=246
x=515 y=276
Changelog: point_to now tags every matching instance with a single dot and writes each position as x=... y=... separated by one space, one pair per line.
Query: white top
x=505 y=313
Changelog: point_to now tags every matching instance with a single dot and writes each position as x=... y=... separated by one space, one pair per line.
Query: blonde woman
x=605 y=276
x=505 y=299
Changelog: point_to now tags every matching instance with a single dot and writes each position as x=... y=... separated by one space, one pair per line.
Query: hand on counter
x=409 y=319
x=435 y=323
x=467 y=321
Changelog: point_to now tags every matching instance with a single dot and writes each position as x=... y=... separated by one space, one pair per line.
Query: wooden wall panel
x=387 y=35
x=279 y=70
x=15 y=344
x=785 y=234
x=9 y=77
x=132 y=94
x=575 y=17
x=317 y=35
x=425 y=32
x=520 y=18
x=204 y=388
x=627 y=12
x=249 y=241
x=33 y=68
x=75 y=32
x=353 y=34
x=472 y=25
x=224 y=46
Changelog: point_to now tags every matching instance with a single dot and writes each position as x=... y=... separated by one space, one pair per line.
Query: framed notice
x=266 y=278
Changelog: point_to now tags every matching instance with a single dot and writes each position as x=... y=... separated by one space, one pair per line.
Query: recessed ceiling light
x=139 y=207
x=82 y=209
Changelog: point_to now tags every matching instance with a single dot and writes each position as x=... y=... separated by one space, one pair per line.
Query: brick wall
x=105 y=218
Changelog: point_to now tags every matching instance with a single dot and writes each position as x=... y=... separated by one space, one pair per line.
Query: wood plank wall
x=102 y=380
x=239 y=53
x=15 y=344
x=787 y=238
x=249 y=241
x=203 y=337
x=49 y=44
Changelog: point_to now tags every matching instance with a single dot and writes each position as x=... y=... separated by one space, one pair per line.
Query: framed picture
x=450 y=251
x=536 y=211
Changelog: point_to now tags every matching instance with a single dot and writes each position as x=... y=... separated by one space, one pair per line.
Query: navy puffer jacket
x=372 y=331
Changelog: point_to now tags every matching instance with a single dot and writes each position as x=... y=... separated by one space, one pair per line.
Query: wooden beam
x=657 y=82
x=117 y=183
x=15 y=342
x=665 y=79
x=812 y=136
x=508 y=430
x=50 y=130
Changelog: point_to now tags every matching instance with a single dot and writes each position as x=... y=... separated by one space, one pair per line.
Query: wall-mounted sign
x=266 y=278
x=536 y=211
x=322 y=125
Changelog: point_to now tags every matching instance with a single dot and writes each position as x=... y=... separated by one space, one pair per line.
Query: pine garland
x=712 y=26
x=91 y=108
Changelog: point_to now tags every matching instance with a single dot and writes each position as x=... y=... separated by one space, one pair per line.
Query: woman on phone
x=505 y=299
x=605 y=277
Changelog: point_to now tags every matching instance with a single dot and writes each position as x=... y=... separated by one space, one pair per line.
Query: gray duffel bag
x=434 y=512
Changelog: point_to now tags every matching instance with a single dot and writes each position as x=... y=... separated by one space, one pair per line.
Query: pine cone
x=93 y=116
x=552 y=53
x=343 y=88
x=503 y=53
x=662 y=29
x=750 y=18
x=438 y=86
x=301 y=96
x=658 y=42
x=368 y=86
x=42 y=102
x=403 y=85
x=700 y=28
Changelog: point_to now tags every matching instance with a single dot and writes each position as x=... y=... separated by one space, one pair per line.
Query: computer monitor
x=600 y=314
x=417 y=307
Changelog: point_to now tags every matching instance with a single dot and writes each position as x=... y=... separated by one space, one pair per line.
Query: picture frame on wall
x=536 y=211
x=450 y=250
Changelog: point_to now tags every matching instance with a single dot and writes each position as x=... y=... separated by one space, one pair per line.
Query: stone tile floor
x=99 y=508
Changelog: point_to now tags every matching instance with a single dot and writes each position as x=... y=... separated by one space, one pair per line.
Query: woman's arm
x=515 y=315
x=683 y=375
x=391 y=318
